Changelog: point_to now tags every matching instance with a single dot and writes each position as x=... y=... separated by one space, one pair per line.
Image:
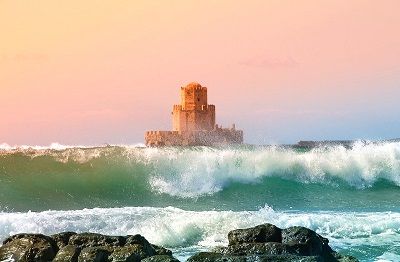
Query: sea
x=188 y=198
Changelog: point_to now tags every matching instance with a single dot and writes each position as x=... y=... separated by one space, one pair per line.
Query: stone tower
x=193 y=123
x=193 y=114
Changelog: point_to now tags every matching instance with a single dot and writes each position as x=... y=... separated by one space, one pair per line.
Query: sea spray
x=188 y=198
x=365 y=176
x=201 y=230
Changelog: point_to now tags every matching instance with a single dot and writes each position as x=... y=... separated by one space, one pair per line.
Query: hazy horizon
x=92 y=73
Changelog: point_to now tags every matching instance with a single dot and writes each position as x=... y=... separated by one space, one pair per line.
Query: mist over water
x=189 y=198
x=363 y=234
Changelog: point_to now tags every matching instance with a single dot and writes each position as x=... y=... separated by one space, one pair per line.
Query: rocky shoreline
x=261 y=243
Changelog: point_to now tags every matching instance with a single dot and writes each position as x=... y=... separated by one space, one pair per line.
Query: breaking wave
x=134 y=175
x=188 y=198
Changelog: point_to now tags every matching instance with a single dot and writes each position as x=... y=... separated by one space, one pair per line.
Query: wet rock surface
x=262 y=243
x=28 y=247
x=62 y=239
x=269 y=243
x=68 y=253
x=84 y=247
x=258 y=234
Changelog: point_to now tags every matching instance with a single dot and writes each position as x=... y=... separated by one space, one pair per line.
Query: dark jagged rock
x=94 y=254
x=271 y=248
x=217 y=257
x=211 y=257
x=124 y=254
x=140 y=251
x=62 y=239
x=136 y=239
x=306 y=241
x=30 y=236
x=96 y=240
x=269 y=243
x=160 y=258
x=84 y=247
x=258 y=234
x=143 y=247
x=28 y=247
x=343 y=258
x=68 y=253
x=263 y=243
x=287 y=258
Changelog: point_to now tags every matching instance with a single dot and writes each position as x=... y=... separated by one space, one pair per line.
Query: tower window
x=198 y=99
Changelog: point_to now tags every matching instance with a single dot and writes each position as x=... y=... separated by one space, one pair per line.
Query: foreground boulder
x=258 y=234
x=28 y=247
x=262 y=243
x=269 y=243
x=84 y=247
x=67 y=253
x=62 y=239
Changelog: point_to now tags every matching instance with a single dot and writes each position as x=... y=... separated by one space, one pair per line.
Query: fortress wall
x=223 y=136
x=211 y=112
x=212 y=117
x=183 y=97
x=176 y=117
x=183 y=120
x=163 y=138
x=217 y=137
x=204 y=120
x=177 y=108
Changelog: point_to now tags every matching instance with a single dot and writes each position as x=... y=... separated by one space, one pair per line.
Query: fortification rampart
x=177 y=108
x=222 y=136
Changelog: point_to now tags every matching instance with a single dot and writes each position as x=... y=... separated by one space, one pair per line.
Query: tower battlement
x=193 y=123
x=177 y=107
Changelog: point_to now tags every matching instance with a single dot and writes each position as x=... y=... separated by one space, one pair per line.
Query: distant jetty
x=194 y=124
x=344 y=143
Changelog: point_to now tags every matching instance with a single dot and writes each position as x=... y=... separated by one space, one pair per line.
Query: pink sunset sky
x=94 y=72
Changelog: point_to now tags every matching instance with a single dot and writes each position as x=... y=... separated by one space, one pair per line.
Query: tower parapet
x=193 y=123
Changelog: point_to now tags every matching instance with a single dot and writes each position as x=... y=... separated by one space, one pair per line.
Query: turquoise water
x=189 y=198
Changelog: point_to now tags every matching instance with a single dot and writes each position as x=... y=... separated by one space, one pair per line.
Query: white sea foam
x=52 y=146
x=193 y=173
x=175 y=227
x=388 y=257
x=59 y=147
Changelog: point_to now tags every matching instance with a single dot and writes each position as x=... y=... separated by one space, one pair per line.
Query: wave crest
x=192 y=172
